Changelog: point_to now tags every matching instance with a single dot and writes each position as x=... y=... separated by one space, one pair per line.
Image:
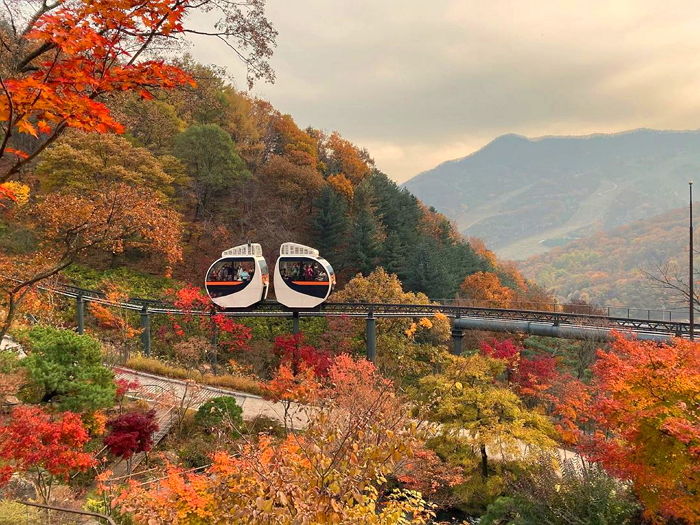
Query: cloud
x=420 y=82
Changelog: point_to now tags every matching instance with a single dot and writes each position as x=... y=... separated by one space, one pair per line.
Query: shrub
x=220 y=411
x=131 y=433
x=66 y=369
x=13 y=513
x=579 y=494
x=191 y=350
x=194 y=453
x=160 y=368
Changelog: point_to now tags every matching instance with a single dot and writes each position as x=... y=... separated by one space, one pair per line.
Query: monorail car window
x=228 y=271
x=302 y=269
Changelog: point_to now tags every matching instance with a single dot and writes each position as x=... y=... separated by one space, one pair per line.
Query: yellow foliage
x=20 y=192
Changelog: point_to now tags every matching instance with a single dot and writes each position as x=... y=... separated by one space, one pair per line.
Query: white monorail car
x=303 y=279
x=238 y=279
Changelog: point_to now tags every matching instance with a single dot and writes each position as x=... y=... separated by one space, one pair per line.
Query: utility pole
x=691 y=291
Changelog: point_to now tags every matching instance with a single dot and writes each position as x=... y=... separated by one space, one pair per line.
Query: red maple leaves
x=33 y=440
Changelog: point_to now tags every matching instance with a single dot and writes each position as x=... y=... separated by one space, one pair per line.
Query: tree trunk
x=10 y=316
x=484 y=462
x=16 y=294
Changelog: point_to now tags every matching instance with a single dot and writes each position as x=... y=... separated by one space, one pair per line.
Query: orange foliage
x=66 y=56
x=341 y=184
x=114 y=320
x=112 y=218
x=343 y=157
x=298 y=146
x=431 y=476
x=485 y=289
x=330 y=473
x=90 y=58
x=479 y=246
x=288 y=386
x=648 y=412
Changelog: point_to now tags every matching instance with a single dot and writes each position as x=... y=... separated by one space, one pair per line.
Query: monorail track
x=649 y=328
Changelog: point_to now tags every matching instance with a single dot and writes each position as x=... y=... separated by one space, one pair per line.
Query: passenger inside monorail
x=307 y=270
x=230 y=271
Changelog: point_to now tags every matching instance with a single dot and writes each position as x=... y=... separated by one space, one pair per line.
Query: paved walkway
x=175 y=392
x=167 y=395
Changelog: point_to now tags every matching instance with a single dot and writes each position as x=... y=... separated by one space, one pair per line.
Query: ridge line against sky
x=418 y=84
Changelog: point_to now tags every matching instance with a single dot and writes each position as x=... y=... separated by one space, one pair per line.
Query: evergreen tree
x=364 y=248
x=394 y=254
x=66 y=370
x=330 y=226
x=428 y=271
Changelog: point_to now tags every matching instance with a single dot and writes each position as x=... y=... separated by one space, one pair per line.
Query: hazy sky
x=421 y=82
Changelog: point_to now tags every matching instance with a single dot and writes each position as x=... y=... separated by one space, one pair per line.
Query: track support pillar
x=80 y=312
x=371 y=336
x=214 y=345
x=146 y=330
x=457 y=335
x=295 y=322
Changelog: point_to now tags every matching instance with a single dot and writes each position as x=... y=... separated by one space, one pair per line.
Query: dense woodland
x=131 y=174
x=234 y=169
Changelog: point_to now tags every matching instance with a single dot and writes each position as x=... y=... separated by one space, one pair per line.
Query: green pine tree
x=364 y=248
x=330 y=226
x=394 y=253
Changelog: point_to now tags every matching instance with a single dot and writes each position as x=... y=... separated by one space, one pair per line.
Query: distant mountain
x=524 y=196
x=613 y=267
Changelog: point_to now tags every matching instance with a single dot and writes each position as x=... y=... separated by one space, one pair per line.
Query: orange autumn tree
x=105 y=221
x=64 y=58
x=333 y=472
x=485 y=288
x=113 y=320
x=648 y=413
x=288 y=387
x=340 y=156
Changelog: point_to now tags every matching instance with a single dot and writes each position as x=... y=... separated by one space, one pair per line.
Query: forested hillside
x=230 y=168
x=620 y=266
x=524 y=196
x=124 y=172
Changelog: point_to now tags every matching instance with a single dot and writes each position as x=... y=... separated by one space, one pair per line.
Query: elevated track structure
x=563 y=324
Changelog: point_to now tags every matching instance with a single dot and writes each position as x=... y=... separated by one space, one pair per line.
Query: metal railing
x=63 y=510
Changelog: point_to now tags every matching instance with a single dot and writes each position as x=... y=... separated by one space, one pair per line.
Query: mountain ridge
x=525 y=195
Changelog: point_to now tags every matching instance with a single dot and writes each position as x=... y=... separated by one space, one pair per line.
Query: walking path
x=176 y=393
x=167 y=396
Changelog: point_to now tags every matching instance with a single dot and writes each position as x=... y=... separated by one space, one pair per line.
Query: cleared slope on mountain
x=524 y=196
x=612 y=267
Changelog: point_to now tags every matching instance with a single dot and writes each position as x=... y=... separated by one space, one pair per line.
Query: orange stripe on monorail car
x=222 y=283
x=311 y=283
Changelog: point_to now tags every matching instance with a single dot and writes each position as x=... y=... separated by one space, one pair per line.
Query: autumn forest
x=127 y=167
